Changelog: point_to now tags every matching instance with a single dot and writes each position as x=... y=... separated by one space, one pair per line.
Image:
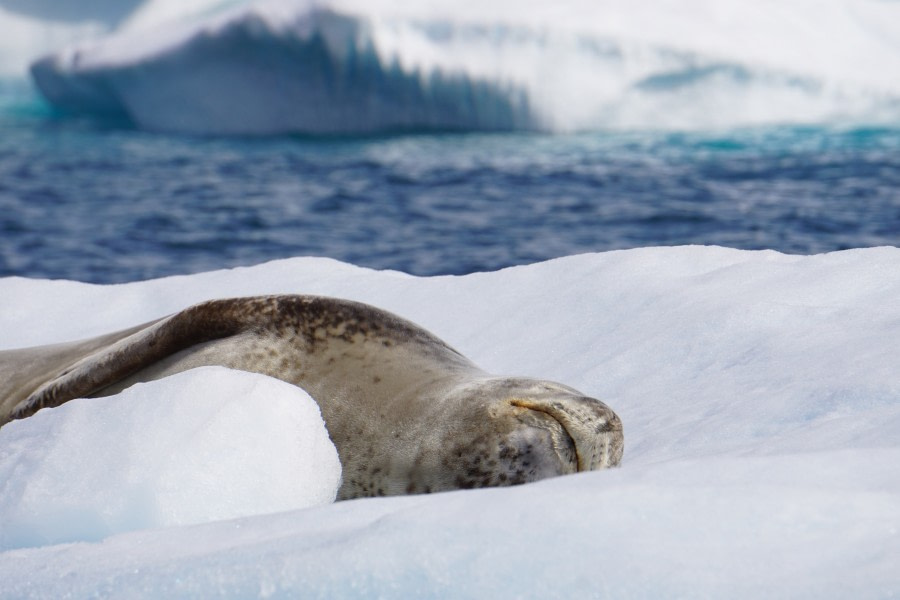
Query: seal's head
x=507 y=431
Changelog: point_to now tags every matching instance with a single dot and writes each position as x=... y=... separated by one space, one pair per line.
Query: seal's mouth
x=590 y=428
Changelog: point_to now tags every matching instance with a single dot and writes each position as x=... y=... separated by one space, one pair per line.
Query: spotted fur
x=407 y=413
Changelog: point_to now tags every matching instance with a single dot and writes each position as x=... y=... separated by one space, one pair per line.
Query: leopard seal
x=407 y=413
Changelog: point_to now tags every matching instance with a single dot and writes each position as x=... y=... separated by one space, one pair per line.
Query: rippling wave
x=109 y=203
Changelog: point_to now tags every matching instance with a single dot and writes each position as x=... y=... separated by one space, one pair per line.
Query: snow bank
x=204 y=445
x=760 y=397
x=805 y=526
x=352 y=66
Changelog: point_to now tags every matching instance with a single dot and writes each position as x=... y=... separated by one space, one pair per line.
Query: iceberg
x=352 y=67
x=760 y=398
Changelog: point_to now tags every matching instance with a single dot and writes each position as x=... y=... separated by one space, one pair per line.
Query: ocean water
x=104 y=202
x=735 y=123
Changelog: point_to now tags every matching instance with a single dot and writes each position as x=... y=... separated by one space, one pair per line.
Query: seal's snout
x=594 y=429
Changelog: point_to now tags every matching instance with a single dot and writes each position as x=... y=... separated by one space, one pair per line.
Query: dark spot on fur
x=463 y=484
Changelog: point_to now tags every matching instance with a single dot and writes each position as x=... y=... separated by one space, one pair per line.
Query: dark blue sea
x=104 y=202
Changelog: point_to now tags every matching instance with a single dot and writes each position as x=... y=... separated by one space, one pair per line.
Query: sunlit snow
x=760 y=397
x=208 y=444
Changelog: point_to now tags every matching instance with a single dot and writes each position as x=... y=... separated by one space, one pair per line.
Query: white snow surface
x=359 y=66
x=204 y=445
x=760 y=397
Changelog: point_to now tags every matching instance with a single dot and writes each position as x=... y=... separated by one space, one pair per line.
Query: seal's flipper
x=45 y=376
x=25 y=370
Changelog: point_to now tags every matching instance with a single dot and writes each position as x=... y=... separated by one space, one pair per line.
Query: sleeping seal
x=407 y=413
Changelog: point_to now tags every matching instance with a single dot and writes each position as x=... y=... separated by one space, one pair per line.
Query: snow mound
x=204 y=445
x=354 y=66
x=760 y=398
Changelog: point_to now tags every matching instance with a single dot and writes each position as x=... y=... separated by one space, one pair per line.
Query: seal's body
x=407 y=413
